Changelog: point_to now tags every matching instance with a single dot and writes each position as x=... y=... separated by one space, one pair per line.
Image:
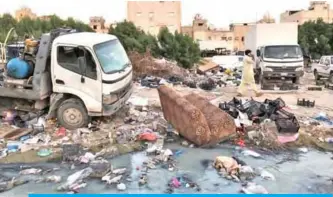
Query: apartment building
x=97 y=23
x=317 y=9
x=24 y=12
x=240 y=30
x=232 y=38
x=200 y=31
x=151 y=16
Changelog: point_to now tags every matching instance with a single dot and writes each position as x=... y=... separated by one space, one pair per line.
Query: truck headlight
x=299 y=69
x=108 y=99
x=268 y=69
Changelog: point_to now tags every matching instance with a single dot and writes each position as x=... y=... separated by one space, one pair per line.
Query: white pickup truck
x=324 y=68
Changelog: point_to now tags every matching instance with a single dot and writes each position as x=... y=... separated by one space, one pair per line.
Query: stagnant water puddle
x=295 y=172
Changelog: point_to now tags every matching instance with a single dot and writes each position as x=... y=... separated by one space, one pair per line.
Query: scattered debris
x=121 y=187
x=251 y=153
x=31 y=171
x=74 y=181
x=305 y=103
x=253 y=188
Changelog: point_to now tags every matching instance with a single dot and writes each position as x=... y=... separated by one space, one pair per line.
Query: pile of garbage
x=267 y=124
x=232 y=168
x=146 y=64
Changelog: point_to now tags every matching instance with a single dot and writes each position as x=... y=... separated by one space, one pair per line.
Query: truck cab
x=76 y=76
x=280 y=61
x=324 y=68
x=278 y=56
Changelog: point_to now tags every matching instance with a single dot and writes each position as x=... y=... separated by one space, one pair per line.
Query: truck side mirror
x=258 y=53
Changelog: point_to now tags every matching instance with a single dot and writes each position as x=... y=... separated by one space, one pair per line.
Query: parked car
x=324 y=68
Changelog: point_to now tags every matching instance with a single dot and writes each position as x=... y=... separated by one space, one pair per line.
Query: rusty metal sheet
x=187 y=119
x=221 y=124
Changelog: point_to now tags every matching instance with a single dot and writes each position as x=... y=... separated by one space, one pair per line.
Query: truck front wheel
x=316 y=75
x=72 y=114
x=330 y=78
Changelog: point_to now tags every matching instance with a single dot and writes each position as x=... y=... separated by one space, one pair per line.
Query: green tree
x=179 y=47
x=36 y=27
x=6 y=23
x=168 y=44
x=316 y=38
x=134 y=39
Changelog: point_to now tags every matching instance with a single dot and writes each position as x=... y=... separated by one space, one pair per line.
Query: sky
x=219 y=13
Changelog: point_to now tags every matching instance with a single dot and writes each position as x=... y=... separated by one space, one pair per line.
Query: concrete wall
x=150 y=16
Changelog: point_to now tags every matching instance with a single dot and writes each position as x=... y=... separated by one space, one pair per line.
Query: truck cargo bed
x=20 y=93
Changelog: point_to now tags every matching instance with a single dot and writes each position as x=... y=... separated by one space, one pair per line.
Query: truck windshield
x=282 y=52
x=112 y=56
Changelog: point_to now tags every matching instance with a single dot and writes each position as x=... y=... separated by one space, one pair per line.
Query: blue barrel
x=19 y=69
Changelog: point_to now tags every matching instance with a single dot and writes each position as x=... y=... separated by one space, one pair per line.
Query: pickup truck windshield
x=283 y=52
x=112 y=56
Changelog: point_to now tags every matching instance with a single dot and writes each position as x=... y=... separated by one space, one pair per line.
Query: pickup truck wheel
x=330 y=78
x=316 y=75
x=72 y=114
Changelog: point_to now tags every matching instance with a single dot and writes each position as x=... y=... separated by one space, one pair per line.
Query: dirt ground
x=321 y=98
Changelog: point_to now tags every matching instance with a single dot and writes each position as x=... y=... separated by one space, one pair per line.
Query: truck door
x=326 y=66
x=320 y=65
x=68 y=78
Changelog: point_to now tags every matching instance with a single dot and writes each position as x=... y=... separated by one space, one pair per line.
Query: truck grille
x=283 y=69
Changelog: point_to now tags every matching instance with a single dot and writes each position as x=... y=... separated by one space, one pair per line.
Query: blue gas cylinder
x=19 y=69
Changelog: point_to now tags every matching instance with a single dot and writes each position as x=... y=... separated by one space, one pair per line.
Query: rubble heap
x=146 y=64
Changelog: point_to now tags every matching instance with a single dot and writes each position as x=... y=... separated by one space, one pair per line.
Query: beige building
x=24 y=12
x=151 y=16
x=200 y=30
x=240 y=30
x=97 y=23
x=233 y=37
x=317 y=9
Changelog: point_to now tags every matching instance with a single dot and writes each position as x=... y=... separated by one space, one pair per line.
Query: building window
x=151 y=14
x=236 y=38
x=229 y=38
x=138 y=14
x=171 y=14
x=243 y=39
x=223 y=38
x=95 y=27
x=209 y=38
x=200 y=24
